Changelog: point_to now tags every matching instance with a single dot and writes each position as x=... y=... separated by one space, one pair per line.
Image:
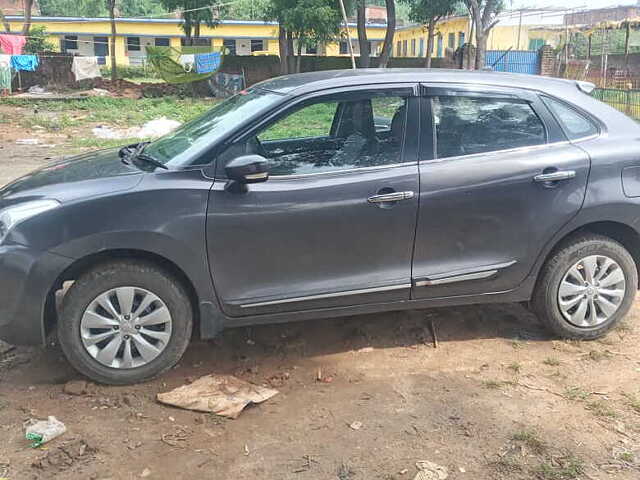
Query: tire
x=167 y=299
x=547 y=297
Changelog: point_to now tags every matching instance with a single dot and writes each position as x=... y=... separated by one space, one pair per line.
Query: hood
x=91 y=174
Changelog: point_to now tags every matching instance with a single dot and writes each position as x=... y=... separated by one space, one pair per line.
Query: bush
x=37 y=41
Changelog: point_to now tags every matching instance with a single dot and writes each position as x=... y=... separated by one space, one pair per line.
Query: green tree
x=195 y=13
x=249 y=10
x=429 y=12
x=312 y=23
x=484 y=15
x=73 y=8
x=37 y=41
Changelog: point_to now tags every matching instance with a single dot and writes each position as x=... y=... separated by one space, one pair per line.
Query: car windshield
x=184 y=146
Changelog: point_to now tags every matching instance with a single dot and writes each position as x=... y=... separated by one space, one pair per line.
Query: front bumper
x=26 y=278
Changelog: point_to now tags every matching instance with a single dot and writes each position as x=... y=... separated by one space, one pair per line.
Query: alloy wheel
x=126 y=327
x=591 y=291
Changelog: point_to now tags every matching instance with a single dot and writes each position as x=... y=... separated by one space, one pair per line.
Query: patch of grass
x=531 y=441
x=507 y=466
x=566 y=468
x=601 y=409
x=517 y=344
x=515 y=367
x=122 y=111
x=596 y=356
x=50 y=123
x=497 y=384
x=4 y=118
x=627 y=457
x=633 y=401
x=552 y=362
x=576 y=393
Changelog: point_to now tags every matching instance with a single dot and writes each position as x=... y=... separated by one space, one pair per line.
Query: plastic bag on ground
x=430 y=471
x=42 y=431
x=223 y=395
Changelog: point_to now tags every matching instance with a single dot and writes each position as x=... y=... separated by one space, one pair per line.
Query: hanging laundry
x=12 y=44
x=208 y=62
x=187 y=61
x=28 y=63
x=85 y=67
x=5 y=74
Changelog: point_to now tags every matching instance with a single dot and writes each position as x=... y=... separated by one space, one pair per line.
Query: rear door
x=497 y=180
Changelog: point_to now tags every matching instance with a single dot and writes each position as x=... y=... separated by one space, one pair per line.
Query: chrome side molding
x=327 y=295
x=486 y=272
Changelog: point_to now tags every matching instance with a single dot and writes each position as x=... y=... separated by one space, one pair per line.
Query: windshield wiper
x=131 y=153
x=150 y=160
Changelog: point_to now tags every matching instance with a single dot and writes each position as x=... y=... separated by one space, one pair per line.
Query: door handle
x=390 y=197
x=555 y=176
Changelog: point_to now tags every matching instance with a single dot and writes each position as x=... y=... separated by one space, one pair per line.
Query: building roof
x=37 y=19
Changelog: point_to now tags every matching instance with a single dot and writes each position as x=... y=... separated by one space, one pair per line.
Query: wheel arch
x=86 y=263
x=627 y=236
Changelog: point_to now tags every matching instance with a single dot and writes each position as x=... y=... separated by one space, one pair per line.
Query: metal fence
x=627 y=101
x=514 y=61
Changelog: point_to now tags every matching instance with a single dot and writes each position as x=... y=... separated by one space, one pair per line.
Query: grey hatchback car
x=328 y=194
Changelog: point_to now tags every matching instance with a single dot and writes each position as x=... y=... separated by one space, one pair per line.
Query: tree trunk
x=363 y=41
x=299 y=57
x=283 y=50
x=196 y=32
x=388 y=36
x=431 y=33
x=7 y=26
x=28 y=6
x=481 y=49
x=112 y=15
x=290 y=52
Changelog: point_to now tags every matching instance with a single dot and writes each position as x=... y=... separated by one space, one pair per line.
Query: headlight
x=12 y=216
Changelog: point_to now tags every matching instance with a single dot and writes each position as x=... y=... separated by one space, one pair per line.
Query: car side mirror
x=248 y=169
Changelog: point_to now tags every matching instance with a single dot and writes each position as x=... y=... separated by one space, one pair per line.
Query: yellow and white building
x=521 y=30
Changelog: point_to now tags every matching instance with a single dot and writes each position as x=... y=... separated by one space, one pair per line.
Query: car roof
x=300 y=83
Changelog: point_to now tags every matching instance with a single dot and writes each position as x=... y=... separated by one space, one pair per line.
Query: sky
x=582 y=4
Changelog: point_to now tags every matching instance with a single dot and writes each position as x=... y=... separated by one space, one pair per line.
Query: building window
x=257 y=45
x=461 y=39
x=70 y=42
x=312 y=50
x=133 y=44
x=536 y=43
x=439 y=51
x=451 y=42
x=229 y=45
x=344 y=48
x=399 y=48
x=405 y=44
x=161 y=42
x=196 y=42
x=421 y=49
x=413 y=47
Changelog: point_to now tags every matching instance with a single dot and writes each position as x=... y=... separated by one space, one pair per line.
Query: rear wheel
x=125 y=322
x=586 y=287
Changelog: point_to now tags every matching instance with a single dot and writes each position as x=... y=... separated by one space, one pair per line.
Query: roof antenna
x=346 y=28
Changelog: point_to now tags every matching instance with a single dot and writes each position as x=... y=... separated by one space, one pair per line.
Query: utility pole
x=346 y=26
x=112 y=14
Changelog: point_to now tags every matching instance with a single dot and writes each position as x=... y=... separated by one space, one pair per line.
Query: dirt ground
x=498 y=398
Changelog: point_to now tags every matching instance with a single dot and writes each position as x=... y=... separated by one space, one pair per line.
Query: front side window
x=332 y=135
x=470 y=125
x=185 y=145
x=575 y=124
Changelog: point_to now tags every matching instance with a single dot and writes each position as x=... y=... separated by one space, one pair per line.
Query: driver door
x=317 y=234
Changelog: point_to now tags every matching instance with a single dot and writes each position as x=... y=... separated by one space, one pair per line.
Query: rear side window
x=470 y=125
x=574 y=123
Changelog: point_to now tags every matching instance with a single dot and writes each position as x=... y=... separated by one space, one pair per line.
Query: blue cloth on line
x=28 y=63
x=208 y=62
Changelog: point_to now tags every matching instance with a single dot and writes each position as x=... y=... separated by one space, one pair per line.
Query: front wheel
x=586 y=287
x=125 y=322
